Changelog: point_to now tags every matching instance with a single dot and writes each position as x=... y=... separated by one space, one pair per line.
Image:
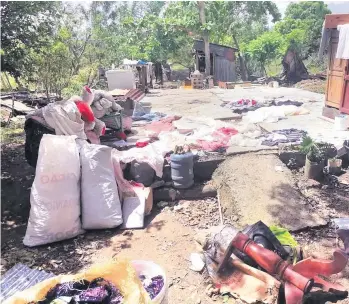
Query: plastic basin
x=151 y=269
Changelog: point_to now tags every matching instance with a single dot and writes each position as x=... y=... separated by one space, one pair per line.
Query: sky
x=337 y=7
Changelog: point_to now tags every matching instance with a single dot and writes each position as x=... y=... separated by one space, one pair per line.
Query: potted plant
x=334 y=165
x=315 y=158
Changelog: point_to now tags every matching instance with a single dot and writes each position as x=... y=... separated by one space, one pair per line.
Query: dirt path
x=252 y=189
x=168 y=243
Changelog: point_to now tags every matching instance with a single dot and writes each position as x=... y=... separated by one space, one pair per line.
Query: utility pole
x=201 y=6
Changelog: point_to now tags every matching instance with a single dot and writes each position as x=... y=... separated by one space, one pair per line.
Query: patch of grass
x=177 y=67
x=274 y=68
x=12 y=134
x=312 y=85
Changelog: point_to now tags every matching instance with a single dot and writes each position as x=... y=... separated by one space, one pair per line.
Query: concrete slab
x=206 y=103
x=317 y=128
x=18 y=106
x=205 y=166
x=189 y=103
x=250 y=189
x=234 y=150
x=198 y=191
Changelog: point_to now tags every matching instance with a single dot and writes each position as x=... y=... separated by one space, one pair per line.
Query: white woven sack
x=101 y=206
x=55 y=193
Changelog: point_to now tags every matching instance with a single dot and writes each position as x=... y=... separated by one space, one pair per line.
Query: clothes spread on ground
x=218 y=141
x=164 y=124
x=343 y=42
x=283 y=136
x=96 y=291
x=287 y=103
x=242 y=105
x=247 y=105
x=149 y=117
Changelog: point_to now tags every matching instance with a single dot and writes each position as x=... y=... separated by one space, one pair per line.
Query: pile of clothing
x=97 y=291
x=82 y=116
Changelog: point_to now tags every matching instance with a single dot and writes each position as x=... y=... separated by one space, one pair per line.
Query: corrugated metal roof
x=19 y=278
x=214 y=48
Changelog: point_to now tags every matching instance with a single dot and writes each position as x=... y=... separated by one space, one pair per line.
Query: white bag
x=101 y=206
x=55 y=194
x=133 y=212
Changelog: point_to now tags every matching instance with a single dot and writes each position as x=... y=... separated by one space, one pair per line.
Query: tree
x=308 y=16
x=201 y=6
x=265 y=48
x=25 y=27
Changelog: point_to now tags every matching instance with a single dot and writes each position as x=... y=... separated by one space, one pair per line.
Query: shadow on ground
x=67 y=256
x=294 y=210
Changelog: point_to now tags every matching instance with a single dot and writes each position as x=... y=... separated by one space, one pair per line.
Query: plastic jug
x=182 y=173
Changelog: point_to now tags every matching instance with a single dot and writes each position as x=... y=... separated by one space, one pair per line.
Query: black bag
x=262 y=235
x=34 y=130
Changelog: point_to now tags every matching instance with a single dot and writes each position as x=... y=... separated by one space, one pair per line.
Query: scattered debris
x=197 y=264
x=162 y=204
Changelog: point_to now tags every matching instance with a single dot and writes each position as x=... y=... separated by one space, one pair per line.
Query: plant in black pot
x=316 y=154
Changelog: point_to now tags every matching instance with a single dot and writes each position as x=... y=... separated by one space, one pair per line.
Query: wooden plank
x=331 y=21
x=335 y=77
x=345 y=102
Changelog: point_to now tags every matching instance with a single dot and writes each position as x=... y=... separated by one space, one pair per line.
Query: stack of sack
x=70 y=171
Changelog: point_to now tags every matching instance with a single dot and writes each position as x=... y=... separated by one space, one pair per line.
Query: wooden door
x=335 y=74
x=345 y=104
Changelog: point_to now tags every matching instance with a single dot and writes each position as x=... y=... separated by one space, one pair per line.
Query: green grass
x=12 y=134
x=274 y=68
x=4 y=84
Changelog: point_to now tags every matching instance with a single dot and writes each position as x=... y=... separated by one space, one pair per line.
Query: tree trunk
x=244 y=72
x=201 y=5
x=265 y=71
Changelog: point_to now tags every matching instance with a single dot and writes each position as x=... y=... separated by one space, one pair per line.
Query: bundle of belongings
x=79 y=184
x=85 y=116
x=69 y=171
x=112 y=282
x=263 y=265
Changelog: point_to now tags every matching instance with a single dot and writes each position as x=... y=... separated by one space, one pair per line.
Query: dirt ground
x=168 y=237
x=264 y=180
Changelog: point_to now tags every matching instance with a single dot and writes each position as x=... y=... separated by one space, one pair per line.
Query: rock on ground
x=251 y=189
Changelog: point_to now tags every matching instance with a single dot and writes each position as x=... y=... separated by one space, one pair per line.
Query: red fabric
x=247 y=102
x=141 y=144
x=85 y=110
x=222 y=137
x=121 y=135
x=103 y=131
x=164 y=124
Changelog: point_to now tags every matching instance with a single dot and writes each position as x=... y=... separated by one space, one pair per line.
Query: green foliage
x=8 y=83
x=63 y=48
x=316 y=152
x=310 y=16
x=265 y=48
x=25 y=27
